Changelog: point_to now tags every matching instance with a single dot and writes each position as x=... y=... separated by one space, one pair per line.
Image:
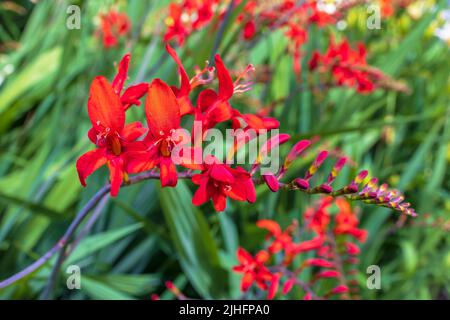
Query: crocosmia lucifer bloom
x=109 y=133
x=218 y=181
x=253 y=269
x=163 y=118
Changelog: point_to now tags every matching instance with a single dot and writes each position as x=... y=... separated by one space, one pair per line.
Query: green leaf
x=99 y=241
x=102 y=291
x=198 y=251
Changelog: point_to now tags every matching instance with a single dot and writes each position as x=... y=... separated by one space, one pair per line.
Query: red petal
x=270 y=225
x=312 y=244
x=220 y=173
x=262 y=256
x=219 y=112
x=122 y=74
x=219 y=201
x=226 y=87
x=288 y=285
x=185 y=86
x=168 y=170
x=161 y=108
x=115 y=175
x=202 y=194
x=142 y=161
x=206 y=99
x=237 y=191
x=247 y=281
x=251 y=192
x=185 y=105
x=340 y=289
x=317 y=262
x=133 y=131
x=243 y=256
x=133 y=94
x=104 y=106
x=189 y=160
x=92 y=135
x=89 y=162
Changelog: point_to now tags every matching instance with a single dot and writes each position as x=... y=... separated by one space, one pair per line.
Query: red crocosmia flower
x=113 y=25
x=319 y=219
x=253 y=269
x=163 y=118
x=114 y=139
x=218 y=181
x=347 y=222
x=282 y=240
x=133 y=93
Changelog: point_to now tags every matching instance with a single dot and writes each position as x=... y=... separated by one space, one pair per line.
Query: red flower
x=109 y=133
x=253 y=269
x=163 y=118
x=348 y=66
x=282 y=239
x=218 y=181
x=113 y=25
x=347 y=222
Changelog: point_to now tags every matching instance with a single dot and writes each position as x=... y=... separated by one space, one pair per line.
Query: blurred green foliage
x=148 y=234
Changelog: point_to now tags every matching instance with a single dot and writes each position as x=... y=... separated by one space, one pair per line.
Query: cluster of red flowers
x=120 y=147
x=113 y=26
x=348 y=66
x=331 y=250
x=188 y=16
